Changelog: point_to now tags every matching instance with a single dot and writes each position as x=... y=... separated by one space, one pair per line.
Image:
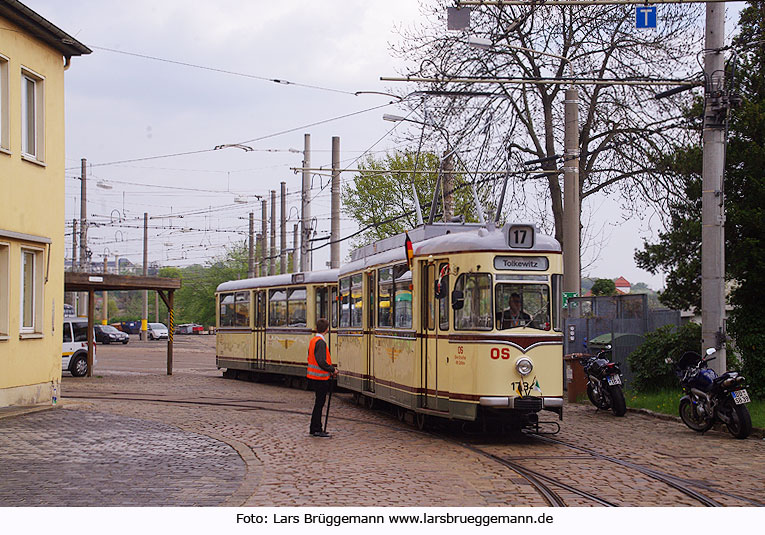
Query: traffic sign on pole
x=645 y=17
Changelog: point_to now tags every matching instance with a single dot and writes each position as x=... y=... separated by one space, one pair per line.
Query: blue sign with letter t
x=645 y=17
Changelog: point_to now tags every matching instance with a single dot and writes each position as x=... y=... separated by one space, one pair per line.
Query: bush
x=749 y=333
x=648 y=362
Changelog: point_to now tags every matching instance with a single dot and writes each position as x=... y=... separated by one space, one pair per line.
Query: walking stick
x=329 y=400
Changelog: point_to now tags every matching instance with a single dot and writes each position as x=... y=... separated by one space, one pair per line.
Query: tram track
x=542 y=483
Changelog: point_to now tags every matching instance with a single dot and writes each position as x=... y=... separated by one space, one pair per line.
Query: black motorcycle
x=709 y=397
x=604 y=383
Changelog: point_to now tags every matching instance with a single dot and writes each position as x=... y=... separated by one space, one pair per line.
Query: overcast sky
x=121 y=107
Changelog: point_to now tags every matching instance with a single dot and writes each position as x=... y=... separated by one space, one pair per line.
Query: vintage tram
x=465 y=327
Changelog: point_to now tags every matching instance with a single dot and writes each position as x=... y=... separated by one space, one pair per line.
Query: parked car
x=189 y=328
x=68 y=311
x=156 y=331
x=106 y=334
x=74 y=356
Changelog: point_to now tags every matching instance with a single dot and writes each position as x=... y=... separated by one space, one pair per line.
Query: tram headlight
x=524 y=365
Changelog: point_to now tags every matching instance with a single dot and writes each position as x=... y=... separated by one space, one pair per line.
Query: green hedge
x=649 y=363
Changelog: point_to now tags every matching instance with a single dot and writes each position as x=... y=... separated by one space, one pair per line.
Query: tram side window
x=357 y=301
x=443 y=304
x=523 y=305
x=296 y=307
x=345 y=302
x=334 y=303
x=242 y=309
x=557 y=304
x=261 y=316
x=402 y=302
x=322 y=311
x=277 y=307
x=227 y=310
x=384 y=304
x=476 y=313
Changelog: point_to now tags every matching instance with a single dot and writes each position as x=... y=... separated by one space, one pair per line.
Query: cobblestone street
x=195 y=438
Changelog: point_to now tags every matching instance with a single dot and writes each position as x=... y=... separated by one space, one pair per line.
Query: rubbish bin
x=575 y=378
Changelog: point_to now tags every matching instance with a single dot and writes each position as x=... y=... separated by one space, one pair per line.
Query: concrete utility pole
x=272 y=254
x=251 y=252
x=712 y=191
x=263 y=237
x=334 y=235
x=283 y=245
x=448 y=186
x=571 y=205
x=305 y=213
x=295 y=245
x=258 y=267
x=105 y=296
x=145 y=317
x=73 y=295
x=83 y=300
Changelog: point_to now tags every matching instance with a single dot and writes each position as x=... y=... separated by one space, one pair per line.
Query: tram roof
x=308 y=277
x=445 y=239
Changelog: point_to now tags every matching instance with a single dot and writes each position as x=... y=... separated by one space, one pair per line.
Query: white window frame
x=37 y=152
x=5 y=251
x=37 y=291
x=5 y=145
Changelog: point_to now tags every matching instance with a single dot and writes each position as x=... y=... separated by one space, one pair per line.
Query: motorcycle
x=604 y=383
x=709 y=397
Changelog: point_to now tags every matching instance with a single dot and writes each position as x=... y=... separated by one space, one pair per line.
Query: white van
x=74 y=358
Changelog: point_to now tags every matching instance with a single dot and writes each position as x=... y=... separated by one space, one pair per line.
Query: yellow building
x=33 y=57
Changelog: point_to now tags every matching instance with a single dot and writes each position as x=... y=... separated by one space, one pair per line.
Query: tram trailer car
x=439 y=336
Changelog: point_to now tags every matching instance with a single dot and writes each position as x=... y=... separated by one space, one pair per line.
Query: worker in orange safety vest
x=320 y=372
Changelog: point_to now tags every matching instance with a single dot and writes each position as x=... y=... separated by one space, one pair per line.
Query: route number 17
x=521 y=236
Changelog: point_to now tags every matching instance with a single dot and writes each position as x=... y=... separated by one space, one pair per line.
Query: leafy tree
x=678 y=250
x=384 y=201
x=603 y=287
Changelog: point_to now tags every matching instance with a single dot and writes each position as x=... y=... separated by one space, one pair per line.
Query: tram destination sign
x=521 y=263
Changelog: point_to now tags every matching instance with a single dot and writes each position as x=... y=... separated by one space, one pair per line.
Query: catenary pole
x=145 y=317
x=295 y=245
x=305 y=215
x=283 y=229
x=571 y=206
x=272 y=253
x=334 y=248
x=250 y=249
x=712 y=196
x=263 y=237
x=83 y=300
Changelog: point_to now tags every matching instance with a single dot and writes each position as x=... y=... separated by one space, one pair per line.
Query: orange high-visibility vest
x=313 y=371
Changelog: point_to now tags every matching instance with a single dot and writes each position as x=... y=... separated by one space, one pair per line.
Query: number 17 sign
x=645 y=17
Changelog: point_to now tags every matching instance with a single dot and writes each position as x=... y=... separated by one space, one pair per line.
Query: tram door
x=260 y=330
x=322 y=311
x=429 y=344
x=371 y=307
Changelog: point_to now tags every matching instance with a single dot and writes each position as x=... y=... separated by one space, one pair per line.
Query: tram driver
x=513 y=315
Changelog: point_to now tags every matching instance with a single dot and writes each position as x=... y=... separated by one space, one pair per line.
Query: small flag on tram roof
x=409 y=251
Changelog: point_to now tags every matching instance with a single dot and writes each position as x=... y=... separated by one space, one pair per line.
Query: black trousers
x=320 y=388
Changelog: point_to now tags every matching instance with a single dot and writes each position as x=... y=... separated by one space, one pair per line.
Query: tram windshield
x=522 y=305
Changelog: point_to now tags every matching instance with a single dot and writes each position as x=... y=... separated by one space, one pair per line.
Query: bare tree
x=622 y=128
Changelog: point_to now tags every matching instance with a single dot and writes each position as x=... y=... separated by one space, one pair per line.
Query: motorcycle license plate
x=740 y=397
x=614 y=380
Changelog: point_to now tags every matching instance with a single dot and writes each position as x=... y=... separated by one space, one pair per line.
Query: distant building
x=623 y=286
x=33 y=57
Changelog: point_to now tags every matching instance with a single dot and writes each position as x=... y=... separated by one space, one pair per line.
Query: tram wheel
x=356 y=398
x=420 y=419
x=369 y=402
x=400 y=413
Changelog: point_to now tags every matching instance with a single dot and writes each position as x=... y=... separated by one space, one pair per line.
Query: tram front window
x=522 y=305
x=475 y=313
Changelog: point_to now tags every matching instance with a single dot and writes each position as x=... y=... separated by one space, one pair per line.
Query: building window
x=4 y=289
x=4 y=117
x=31 y=291
x=32 y=116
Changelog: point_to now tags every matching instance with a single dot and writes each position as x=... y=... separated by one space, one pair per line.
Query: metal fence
x=622 y=321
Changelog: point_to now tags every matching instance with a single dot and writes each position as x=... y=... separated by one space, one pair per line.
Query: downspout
x=67 y=62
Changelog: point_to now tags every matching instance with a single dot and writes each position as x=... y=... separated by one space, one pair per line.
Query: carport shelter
x=89 y=282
